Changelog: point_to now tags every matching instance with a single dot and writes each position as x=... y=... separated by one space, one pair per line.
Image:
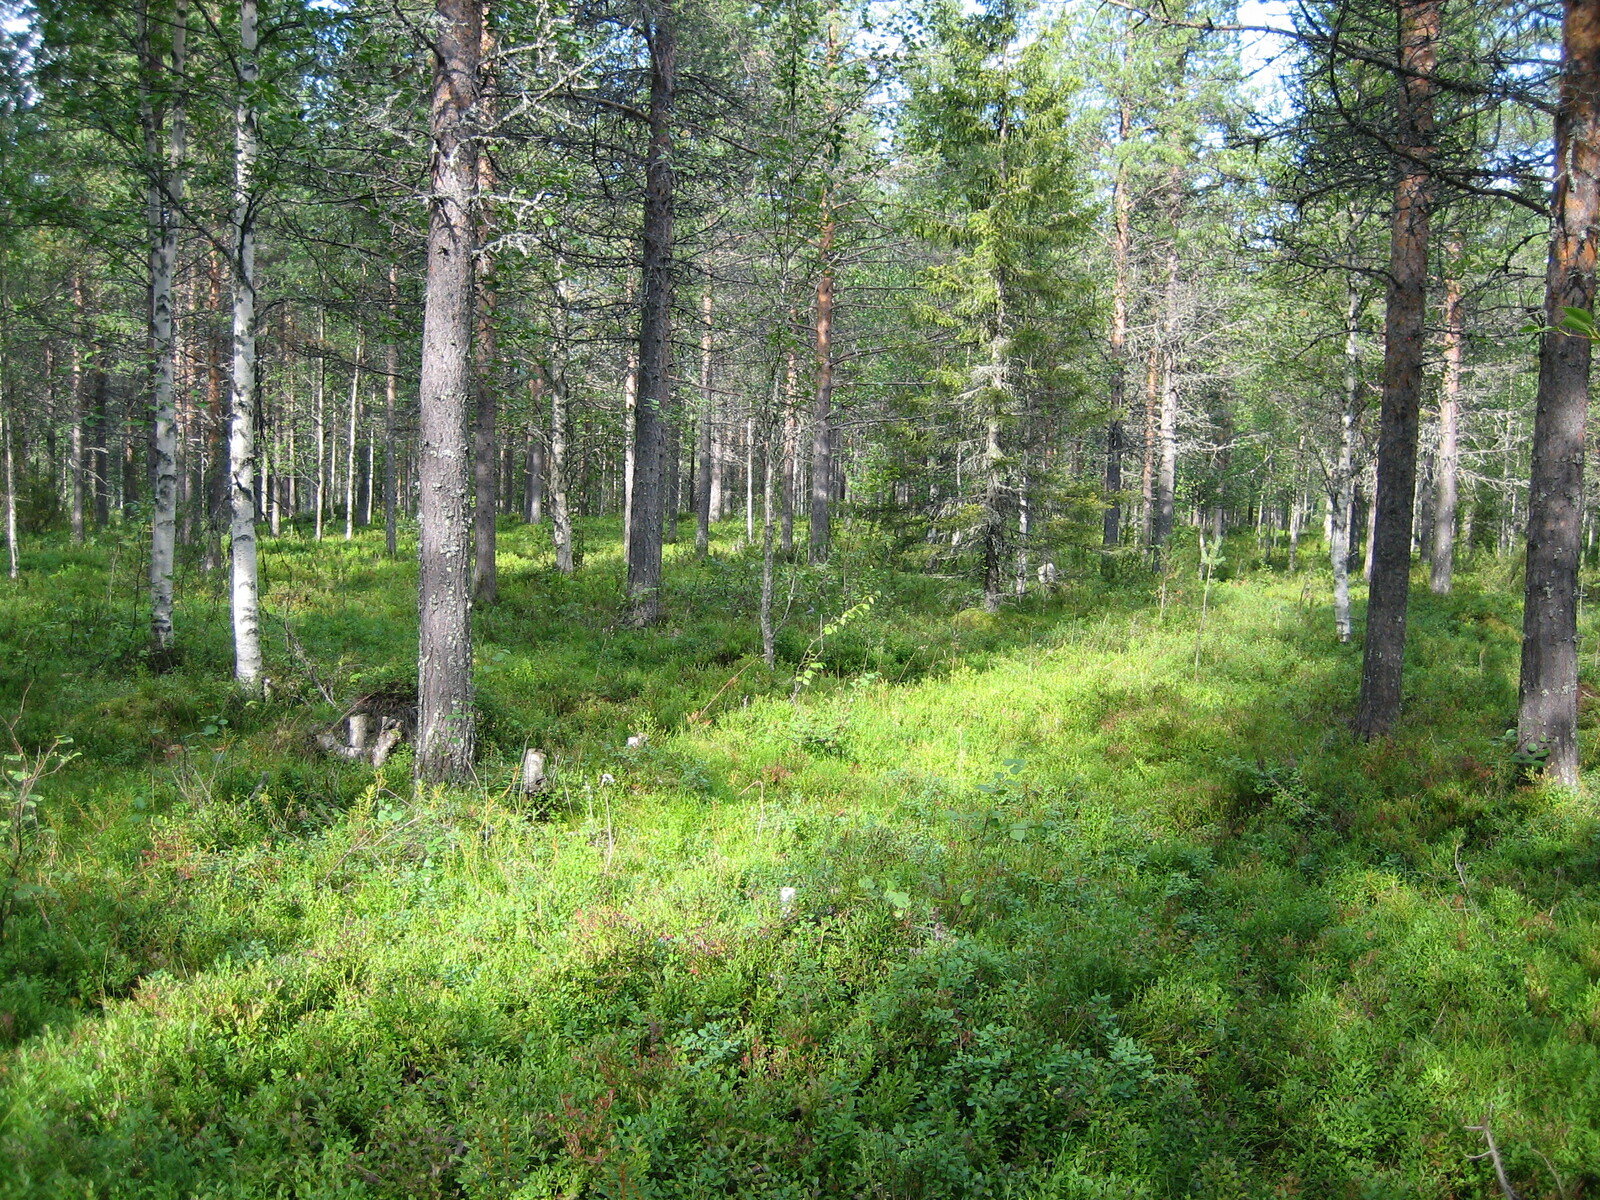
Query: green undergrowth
x=1080 y=900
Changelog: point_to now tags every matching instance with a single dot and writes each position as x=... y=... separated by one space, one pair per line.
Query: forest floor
x=1088 y=901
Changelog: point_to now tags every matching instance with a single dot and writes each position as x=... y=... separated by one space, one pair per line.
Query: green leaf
x=967 y=897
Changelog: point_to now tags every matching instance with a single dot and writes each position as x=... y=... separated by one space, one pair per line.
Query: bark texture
x=1547 y=714
x=445 y=730
x=166 y=194
x=655 y=342
x=822 y=406
x=1447 y=481
x=1121 y=241
x=1385 y=647
x=242 y=472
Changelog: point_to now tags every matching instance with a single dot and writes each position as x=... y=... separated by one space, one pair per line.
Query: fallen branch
x=1493 y=1155
x=300 y=656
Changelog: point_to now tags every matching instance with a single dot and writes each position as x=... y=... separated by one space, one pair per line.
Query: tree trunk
x=822 y=407
x=1384 y=652
x=655 y=341
x=485 y=444
x=391 y=388
x=1342 y=481
x=1547 y=714
x=165 y=196
x=1446 y=490
x=532 y=502
x=1122 y=214
x=350 y=441
x=445 y=723
x=1166 y=449
x=560 y=505
x=791 y=446
x=750 y=478
x=80 y=467
x=242 y=433
x=1147 y=483
x=320 y=415
x=769 y=642
x=702 y=497
x=11 y=491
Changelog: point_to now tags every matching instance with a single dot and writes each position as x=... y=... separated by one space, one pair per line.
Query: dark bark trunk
x=485 y=447
x=391 y=387
x=1384 y=651
x=655 y=343
x=445 y=724
x=702 y=493
x=1547 y=714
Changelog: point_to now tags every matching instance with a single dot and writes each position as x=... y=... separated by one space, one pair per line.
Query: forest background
x=708 y=384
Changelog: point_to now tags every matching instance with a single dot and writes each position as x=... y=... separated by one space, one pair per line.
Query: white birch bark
x=241 y=439
x=163 y=345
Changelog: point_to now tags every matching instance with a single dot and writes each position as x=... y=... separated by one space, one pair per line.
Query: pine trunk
x=702 y=497
x=391 y=388
x=1547 y=716
x=1384 y=653
x=445 y=726
x=655 y=342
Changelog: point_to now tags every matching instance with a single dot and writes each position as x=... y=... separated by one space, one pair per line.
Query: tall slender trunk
x=242 y=432
x=1547 y=714
x=80 y=468
x=100 y=436
x=1447 y=487
x=532 y=501
x=791 y=446
x=822 y=406
x=993 y=532
x=166 y=189
x=350 y=440
x=560 y=506
x=1167 y=419
x=14 y=565
x=445 y=720
x=320 y=416
x=750 y=477
x=655 y=341
x=391 y=388
x=702 y=497
x=1147 y=485
x=769 y=639
x=630 y=432
x=485 y=443
x=1384 y=653
x=1341 y=483
x=1122 y=218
